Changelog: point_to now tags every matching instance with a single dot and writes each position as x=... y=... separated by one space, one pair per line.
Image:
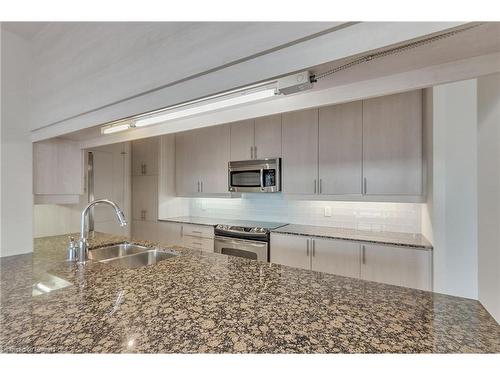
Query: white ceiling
x=26 y=30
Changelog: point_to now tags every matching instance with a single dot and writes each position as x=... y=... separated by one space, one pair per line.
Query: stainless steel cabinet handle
x=195 y=231
x=143 y=214
x=198 y=186
x=255 y=152
x=307 y=247
x=364 y=186
x=313 y=247
x=143 y=169
x=320 y=185
x=314 y=186
x=363 y=257
x=201 y=186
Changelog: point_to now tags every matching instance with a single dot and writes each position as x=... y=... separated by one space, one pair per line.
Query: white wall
x=455 y=189
x=489 y=193
x=16 y=159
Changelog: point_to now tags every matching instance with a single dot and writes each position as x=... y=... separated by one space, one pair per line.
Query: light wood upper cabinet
x=267 y=137
x=336 y=257
x=145 y=156
x=392 y=144
x=201 y=158
x=214 y=147
x=187 y=160
x=300 y=152
x=242 y=140
x=290 y=250
x=340 y=148
x=256 y=139
x=397 y=265
x=57 y=170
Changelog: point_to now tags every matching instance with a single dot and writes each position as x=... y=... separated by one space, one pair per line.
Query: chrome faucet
x=82 y=250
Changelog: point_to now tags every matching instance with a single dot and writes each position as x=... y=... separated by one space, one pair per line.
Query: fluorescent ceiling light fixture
x=207 y=105
x=115 y=128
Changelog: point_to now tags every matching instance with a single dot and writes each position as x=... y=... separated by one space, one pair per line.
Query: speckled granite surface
x=205 y=302
x=386 y=238
x=193 y=220
x=214 y=221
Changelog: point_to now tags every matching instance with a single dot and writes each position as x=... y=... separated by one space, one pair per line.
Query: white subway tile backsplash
x=373 y=216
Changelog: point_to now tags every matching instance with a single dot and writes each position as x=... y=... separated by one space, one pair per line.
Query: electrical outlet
x=328 y=211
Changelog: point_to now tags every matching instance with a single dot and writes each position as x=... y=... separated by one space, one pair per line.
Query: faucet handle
x=72 y=247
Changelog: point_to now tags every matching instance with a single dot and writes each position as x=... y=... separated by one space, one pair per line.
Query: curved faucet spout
x=82 y=253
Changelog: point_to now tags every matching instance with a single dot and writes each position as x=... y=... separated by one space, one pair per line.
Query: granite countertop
x=416 y=240
x=212 y=222
x=207 y=302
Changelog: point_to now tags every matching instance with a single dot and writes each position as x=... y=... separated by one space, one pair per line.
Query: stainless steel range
x=246 y=239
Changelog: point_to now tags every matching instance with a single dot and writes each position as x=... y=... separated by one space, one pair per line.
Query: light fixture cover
x=205 y=106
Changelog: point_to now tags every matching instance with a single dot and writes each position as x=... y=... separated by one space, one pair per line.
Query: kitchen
x=325 y=209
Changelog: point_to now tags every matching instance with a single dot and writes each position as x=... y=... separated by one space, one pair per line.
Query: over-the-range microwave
x=255 y=176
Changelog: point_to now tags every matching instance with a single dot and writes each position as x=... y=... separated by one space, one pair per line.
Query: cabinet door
x=340 y=148
x=300 y=152
x=242 y=140
x=170 y=234
x=57 y=168
x=187 y=160
x=145 y=156
x=392 y=144
x=290 y=250
x=144 y=230
x=214 y=149
x=145 y=198
x=401 y=266
x=336 y=256
x=268 y=137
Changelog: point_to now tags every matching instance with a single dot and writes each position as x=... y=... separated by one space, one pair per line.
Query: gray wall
x=489 y=193
x=16 y=159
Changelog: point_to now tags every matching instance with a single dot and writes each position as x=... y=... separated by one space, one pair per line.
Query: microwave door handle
x=262 y=178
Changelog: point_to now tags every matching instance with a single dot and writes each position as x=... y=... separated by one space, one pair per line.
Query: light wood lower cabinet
x=144 y=230
x=200 y=237
x=335 y=256
x=170 y=234
x=401 y=266
x=290 y=251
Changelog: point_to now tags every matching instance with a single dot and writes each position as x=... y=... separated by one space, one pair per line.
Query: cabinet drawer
x=203 y=231
x=205 y=244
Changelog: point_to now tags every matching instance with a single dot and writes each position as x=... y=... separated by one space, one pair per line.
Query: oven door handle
x=238 y=241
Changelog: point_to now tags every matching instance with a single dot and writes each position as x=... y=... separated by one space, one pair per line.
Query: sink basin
x=144 y=258
x=114 y=251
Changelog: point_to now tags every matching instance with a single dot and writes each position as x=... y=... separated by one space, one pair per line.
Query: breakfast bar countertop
x=200 y=302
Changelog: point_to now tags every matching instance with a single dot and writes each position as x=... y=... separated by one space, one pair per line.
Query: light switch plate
x=328 y=211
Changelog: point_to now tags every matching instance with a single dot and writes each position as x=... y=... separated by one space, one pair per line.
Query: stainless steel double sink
x=127 y=255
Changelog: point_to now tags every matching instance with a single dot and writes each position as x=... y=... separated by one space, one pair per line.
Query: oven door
x=256 y=250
